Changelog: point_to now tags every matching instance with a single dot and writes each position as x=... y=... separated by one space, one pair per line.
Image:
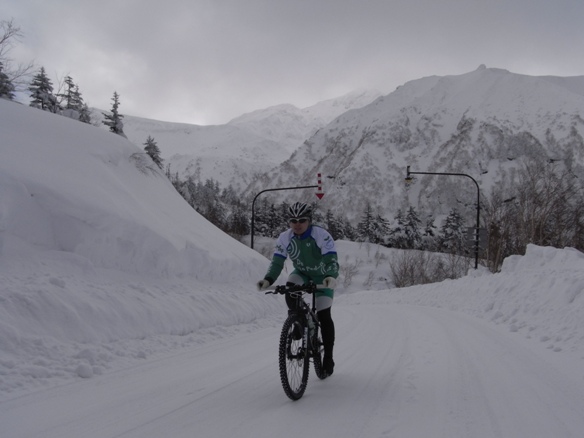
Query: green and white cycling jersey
x=313 y=255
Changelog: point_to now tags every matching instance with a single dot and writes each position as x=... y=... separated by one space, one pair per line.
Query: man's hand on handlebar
x=263 y=284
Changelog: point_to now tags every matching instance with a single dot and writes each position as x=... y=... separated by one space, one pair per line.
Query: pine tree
x=6 y=86
x=274 y=221
x=114 y=120
x=68 y=98
x=364 y=227
x=452 y=234
x=229 y=196
x=371 y=228
x=317 y=216
x=350 y=232
x=187 y=189
x=153 y=151
x=85 y=114
x=412 y=229
x=239 y=221
x=260 y=218
x=285 y=212
x=334 y=226
x=41 y=89
x=397 y=234
x=72 y=102
x=429 y=235
x=381 y=229
x=217 y=215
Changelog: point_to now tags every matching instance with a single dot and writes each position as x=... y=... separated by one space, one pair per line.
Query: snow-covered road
x=402 y=371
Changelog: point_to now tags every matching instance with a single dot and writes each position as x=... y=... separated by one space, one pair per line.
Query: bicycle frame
x=305 y=309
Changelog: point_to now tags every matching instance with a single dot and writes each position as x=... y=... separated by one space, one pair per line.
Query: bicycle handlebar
x=308 y=288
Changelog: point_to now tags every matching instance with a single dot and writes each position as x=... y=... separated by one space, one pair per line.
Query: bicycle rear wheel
x=293 y=357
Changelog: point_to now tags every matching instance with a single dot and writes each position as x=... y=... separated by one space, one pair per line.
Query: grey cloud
x=209 y=61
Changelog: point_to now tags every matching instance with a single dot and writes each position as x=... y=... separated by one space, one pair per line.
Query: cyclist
x=314 y=257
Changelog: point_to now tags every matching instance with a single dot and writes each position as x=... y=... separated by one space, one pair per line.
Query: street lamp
x=271 y=190
x=409 y=179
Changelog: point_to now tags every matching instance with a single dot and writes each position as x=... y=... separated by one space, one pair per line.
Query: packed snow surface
x=123 y=313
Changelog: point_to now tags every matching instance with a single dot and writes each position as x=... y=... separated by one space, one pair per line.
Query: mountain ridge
x=480 y=123
x=234 y=153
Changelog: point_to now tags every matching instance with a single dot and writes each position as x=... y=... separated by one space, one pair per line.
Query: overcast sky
x=208 y=61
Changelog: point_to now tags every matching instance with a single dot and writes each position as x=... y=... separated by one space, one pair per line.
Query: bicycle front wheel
x=293 y=357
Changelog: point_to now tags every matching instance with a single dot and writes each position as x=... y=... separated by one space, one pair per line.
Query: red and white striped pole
x=319 y=192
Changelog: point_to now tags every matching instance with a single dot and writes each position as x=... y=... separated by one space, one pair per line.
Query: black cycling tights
x=327 y=326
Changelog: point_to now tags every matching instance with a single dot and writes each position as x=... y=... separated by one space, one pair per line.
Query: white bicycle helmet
x=300 y=209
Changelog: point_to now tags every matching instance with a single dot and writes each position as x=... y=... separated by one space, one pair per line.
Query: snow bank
x=539 y=296
x=97 y=248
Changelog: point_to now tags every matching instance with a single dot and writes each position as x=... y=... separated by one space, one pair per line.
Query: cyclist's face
x=299 y=226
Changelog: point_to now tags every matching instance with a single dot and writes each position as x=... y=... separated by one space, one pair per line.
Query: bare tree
x=18 y=74
x=544 y=207
x=410 y=267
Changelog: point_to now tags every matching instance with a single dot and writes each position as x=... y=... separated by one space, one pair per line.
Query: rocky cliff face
x=483 y=123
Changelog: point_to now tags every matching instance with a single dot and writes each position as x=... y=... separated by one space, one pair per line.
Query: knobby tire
x=294 y=359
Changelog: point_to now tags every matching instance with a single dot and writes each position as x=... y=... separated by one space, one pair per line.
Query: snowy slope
x=96 y=245
x=227 y=154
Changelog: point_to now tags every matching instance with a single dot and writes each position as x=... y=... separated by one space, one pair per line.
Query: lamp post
x=272 y=190
x=409 y=179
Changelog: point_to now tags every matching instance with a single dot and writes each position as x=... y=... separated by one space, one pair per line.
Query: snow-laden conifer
x=153 y=151
x=41 y=93
x=6 y=86
x=114 y=120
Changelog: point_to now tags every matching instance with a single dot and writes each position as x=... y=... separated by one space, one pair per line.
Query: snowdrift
x=96 y=245
x=539 y=296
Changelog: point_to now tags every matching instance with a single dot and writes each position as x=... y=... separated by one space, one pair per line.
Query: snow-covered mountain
x=483 y=123
x=480 y=123
x=247 y=145
x=290 y=126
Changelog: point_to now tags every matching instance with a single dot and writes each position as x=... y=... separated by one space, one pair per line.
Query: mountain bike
x=300 y=341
